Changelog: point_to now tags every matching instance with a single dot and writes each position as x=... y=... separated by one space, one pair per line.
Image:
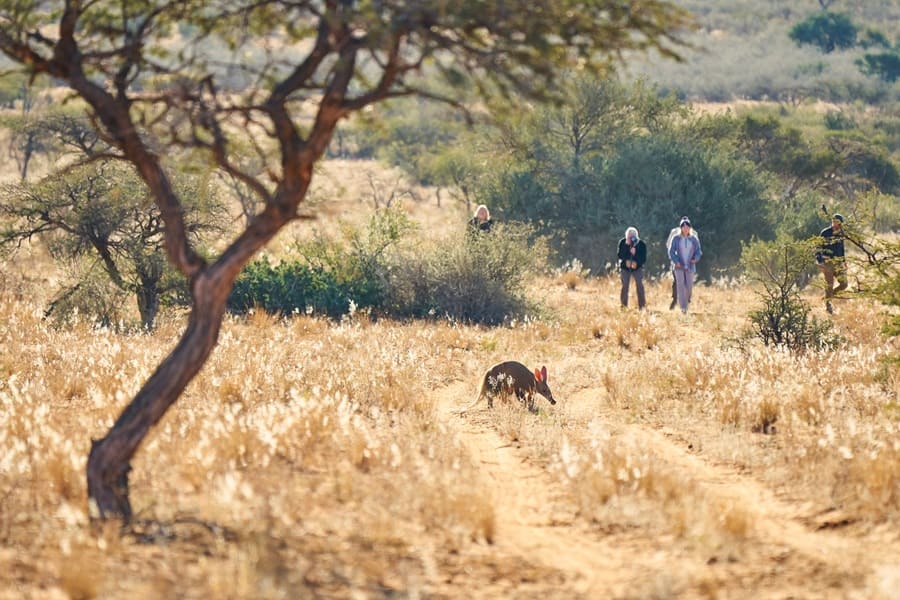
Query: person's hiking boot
x=829 y=308
x=672 y=306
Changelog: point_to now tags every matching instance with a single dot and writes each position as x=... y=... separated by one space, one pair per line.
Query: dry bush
x=572 y=274
x=855 y=464
x=570 y=279
x=631 y=330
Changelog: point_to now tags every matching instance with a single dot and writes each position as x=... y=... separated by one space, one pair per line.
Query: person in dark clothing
x=632 y=256
x=481 y=221
x=830 y=258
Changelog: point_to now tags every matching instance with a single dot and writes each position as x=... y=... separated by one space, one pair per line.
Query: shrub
x=328 y=276
x=471 y=278
x=91 y=298
x=836 y=120
x=784 y=319
x=283 y=288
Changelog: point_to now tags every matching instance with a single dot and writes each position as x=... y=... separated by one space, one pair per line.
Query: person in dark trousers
x=481 y=220
x=830 y=258
x=632 y=256
x=675 y=232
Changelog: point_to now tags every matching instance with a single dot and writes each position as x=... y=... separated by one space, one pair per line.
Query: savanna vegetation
x=158 y=103
x=342 y=468
x=263 y=219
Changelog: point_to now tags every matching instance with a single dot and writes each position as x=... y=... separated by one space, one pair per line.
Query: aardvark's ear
x=537 y=375
x=544 y=374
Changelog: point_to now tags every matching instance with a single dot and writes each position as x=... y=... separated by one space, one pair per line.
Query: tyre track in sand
x=838 y=562
x=784 y=554
x=535 y=525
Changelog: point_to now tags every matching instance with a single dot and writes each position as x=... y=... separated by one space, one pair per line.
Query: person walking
x=684 y=252
x=672 y=235
x=632 y=255
x=831 y=261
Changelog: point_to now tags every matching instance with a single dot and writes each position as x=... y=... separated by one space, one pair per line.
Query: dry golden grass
x=320 y=459
x=310 y=455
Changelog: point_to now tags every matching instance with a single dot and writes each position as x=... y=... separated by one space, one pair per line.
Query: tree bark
x=109 y=459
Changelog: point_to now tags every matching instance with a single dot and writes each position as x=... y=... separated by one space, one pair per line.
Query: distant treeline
x=616 y=155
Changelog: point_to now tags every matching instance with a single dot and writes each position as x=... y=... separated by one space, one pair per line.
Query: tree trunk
x=109 y=460
x=148 y=304
x=27 y=153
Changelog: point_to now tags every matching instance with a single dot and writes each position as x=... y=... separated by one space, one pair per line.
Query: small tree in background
x=784 y=318
x=614 y=155
x=826 y=30
x=458 y=168
x=884 y=65
x=876 y=256
x=87 y=294
x=102 y=211
x=28 y=137
x=51 y=133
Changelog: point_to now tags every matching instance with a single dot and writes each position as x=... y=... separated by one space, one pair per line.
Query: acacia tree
x=50 y=131
x=103 y=210
x=28 y=138
x=321 y=61
x=826 y=30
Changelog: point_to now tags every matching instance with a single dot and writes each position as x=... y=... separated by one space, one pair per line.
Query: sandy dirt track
x=542 y=548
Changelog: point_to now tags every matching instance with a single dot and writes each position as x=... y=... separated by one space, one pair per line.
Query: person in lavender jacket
x=684 y=253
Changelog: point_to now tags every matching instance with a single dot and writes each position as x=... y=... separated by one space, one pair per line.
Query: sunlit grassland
x=825 y=426
x=311 y=455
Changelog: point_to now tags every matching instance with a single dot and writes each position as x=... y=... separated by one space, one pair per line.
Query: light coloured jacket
x=679 y=261
x=676 y=231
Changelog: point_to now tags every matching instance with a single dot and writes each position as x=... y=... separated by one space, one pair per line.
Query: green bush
x=825 y=30
x=295 y=286
x=13 y=87
x=884 y=65
x=282 y=288
x=327 y=276
x=836 y=120
x=799 y=218
x=784 y=319
x=472 y=278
